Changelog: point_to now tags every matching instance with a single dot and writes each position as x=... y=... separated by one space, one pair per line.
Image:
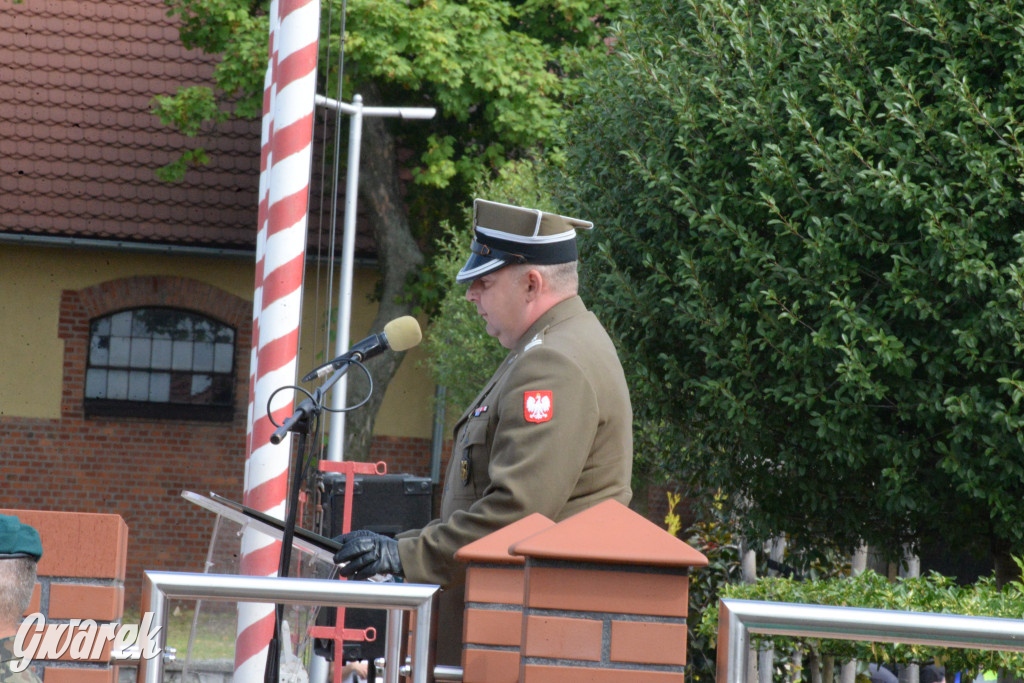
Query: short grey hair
x=561 y=278
x=17 y=579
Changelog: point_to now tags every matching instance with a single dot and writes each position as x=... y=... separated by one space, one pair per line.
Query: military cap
x=18 y=540
x=504 y=234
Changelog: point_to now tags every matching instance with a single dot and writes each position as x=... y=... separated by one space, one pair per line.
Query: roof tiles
x=79 y=147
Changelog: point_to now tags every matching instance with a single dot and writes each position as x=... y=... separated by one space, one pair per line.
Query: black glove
x=367 y=553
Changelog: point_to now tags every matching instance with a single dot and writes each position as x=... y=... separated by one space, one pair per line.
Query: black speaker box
x=387 y=504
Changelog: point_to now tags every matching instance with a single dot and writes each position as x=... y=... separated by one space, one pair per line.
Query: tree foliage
x=496 y=71
x=810 y=246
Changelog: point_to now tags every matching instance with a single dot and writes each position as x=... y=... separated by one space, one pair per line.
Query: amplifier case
x=387 y=504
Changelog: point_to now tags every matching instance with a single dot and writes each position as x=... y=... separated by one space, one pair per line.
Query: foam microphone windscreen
x=402 y=333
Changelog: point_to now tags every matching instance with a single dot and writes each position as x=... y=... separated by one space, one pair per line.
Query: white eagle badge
x=538 y=406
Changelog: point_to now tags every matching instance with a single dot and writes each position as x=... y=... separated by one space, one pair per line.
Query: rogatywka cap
x=504 y=234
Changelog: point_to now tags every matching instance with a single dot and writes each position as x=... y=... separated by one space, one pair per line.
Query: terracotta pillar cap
x=610 y=533
x=494 y=548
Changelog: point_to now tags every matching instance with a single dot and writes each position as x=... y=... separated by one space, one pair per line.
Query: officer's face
x=500 y=298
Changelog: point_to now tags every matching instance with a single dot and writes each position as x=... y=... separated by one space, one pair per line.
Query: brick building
x=126 y=302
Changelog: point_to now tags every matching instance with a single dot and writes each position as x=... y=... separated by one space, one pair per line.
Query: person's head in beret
x=20 y=550
x=18 y=539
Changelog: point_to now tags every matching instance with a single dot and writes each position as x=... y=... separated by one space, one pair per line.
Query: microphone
x=400 y=334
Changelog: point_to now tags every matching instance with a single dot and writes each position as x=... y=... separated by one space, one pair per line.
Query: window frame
x=223 y=411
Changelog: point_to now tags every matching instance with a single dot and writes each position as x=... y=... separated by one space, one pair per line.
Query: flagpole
x=286 y=153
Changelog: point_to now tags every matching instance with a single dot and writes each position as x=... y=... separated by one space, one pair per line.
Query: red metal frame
x=338 y=633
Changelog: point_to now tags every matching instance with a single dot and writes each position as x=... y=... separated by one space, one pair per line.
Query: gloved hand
x=367 y=553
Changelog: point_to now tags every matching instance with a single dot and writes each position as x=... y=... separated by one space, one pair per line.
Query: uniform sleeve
x=537 y=454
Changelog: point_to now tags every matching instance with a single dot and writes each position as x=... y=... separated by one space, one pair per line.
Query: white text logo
x=85 y=640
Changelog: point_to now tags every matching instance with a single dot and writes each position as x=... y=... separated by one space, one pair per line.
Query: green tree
x=812 y=254
x=496 y=71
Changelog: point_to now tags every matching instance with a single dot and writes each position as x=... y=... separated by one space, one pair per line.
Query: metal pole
x=393 y=654
x=357 y=111
x=739 y=618
x=339 y=396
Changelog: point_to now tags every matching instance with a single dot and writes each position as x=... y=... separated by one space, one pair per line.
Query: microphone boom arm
x=311 y=405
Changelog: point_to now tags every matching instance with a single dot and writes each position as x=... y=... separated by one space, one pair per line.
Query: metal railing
x=160 y=587
x=737 y=619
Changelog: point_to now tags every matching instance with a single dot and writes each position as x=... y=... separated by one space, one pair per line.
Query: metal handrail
x=737 y=619
x=160 y=587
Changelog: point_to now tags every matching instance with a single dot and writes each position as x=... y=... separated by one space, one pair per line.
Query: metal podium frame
x=160 y=587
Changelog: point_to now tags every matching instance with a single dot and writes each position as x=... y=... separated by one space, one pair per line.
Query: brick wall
x=132 y=467
x=80 y=576
x=603 y=598
x=405 y=455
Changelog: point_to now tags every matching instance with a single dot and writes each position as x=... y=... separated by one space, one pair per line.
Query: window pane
x=141 y=352
x=138 y=386
x=120 y=348
x=181 y=356
x=101 y=326
x=223 y=357
x=141 y=323
x=201 y=385
x=161 y=322
x=161 y=359
x=96 y=383
x=160 y=387
x=203 y=356
x=203 y=330
x=121 y=324
x=182 y=325
x=222 y=390
x=181 y=387
x=99 y=350
x=117 y=385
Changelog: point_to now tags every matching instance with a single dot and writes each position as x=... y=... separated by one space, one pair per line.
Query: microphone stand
x=300 y=422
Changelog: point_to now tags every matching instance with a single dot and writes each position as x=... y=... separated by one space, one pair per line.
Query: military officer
x=551 y=432
x=20 y=550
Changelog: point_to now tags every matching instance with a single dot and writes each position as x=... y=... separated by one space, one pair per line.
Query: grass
x=215 y=631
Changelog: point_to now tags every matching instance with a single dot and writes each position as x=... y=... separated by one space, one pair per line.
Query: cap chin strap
x=495 y=253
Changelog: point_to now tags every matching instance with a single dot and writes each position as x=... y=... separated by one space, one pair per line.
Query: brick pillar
x=605 y=600
x=494 y=601
x=81 y=576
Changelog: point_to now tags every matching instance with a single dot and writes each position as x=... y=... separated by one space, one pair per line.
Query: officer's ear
x=534 y=281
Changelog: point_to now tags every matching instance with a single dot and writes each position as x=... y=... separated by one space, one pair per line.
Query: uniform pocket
x=472 y=460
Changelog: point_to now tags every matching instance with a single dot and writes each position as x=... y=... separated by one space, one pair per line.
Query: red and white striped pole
x=289 y=89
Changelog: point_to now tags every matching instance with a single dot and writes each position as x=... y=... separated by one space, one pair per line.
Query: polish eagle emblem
x=538 y=406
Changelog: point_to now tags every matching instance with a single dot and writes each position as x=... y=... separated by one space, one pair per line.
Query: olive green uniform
x=7 y=658
x=551 y=433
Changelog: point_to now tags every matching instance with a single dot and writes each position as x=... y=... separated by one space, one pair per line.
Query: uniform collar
x=563 y=310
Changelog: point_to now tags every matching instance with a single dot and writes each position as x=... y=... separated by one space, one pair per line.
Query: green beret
x=18 y=540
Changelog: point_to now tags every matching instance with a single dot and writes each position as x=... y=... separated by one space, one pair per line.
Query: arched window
x=160 y=362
